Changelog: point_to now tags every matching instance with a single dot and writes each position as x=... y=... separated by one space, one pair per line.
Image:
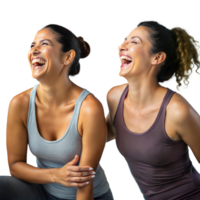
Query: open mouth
x=124 y=63
x=38 y=65
x=125 y=60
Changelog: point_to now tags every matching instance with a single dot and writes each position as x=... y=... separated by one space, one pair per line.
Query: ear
x=159 y=58
x=69 y=57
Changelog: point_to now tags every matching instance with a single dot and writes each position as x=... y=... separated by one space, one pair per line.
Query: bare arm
x=16 y=146
x=93 y=140
x=32 y=174
x=186 y=120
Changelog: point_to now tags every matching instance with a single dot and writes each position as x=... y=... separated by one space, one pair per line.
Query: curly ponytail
x=180 y=49
x=186 y=53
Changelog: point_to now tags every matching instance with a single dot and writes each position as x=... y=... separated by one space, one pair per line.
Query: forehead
x=45 y=33
x=141 y=32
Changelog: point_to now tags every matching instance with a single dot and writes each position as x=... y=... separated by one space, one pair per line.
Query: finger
x=86 y=168
x=79 y=169
x=71 y=162
x=80 y=179
x=73 y=168
x=83 y=174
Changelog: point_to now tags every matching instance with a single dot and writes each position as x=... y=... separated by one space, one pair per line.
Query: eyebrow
x=135 y=37
x=43 y=41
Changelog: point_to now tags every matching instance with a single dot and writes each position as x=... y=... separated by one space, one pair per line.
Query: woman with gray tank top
x=63 y=124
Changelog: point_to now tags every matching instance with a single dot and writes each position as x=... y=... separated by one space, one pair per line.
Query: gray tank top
x=55 y=154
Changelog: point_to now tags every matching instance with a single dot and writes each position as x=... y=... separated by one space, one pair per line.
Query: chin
x=125 y=71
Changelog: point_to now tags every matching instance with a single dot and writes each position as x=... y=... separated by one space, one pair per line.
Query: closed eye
x=131 y=42
x=42 y=43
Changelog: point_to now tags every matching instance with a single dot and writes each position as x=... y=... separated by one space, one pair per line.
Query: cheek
x=48 y=55
x=140 y=54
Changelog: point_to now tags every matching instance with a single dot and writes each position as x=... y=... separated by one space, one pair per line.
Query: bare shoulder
x=91 y=99
x=21 y=98
x=179 y=107
x=115 y=93
x=19 y=104
x=180 y=101
x=91 y=106
x=113 y=98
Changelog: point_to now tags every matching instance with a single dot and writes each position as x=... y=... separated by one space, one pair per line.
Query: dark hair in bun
x=70 y=41
x=85 y=47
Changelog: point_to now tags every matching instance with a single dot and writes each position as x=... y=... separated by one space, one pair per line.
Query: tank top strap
x=79 y=101
x=32 y=102
x=121 y=101
x=166 y=99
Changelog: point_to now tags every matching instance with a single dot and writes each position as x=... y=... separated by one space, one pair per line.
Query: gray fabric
x=12 y=188
x=55 y=154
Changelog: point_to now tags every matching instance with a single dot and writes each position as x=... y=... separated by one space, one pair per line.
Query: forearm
x=85 y=193
x=26 y=172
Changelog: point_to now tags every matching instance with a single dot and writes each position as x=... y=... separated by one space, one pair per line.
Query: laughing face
x=135 y=53
x=45 y=56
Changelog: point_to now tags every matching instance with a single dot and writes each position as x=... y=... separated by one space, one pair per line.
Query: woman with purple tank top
x=153 y=126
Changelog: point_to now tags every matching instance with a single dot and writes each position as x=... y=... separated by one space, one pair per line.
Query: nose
x=36 y=50
x=122 y=47
x=32 y=52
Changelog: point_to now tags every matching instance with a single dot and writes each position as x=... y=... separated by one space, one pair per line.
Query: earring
x=65 y=63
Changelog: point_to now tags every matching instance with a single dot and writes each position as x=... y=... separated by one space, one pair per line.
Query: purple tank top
x=160 y=166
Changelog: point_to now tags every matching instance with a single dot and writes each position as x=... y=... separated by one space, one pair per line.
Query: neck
x=53 y=93
x=142 y=93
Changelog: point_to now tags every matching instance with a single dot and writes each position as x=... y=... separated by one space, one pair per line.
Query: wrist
x=53 y=173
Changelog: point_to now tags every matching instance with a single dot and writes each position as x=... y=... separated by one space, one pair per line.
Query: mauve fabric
x=160 y=166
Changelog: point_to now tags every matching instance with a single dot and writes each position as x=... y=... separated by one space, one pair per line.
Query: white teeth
x=126 y=58
x=38 y=61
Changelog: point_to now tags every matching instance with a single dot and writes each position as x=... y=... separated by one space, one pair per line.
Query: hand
x=73 y=176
